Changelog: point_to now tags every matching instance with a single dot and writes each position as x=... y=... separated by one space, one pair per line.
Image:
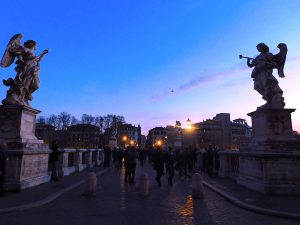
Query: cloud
x=200 y=81
x=209 y=77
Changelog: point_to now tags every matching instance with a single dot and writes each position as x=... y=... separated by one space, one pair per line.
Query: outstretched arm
x=249 y=63
x=42 y=55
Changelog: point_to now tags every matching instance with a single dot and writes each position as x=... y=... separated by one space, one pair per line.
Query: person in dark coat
x=119 y=158
x=131 y=158
x=53 y=160
x=107 y=156
x=170 y=160
x=158 y=164
x=210 y=160
x=3 y=148
x=114 y=156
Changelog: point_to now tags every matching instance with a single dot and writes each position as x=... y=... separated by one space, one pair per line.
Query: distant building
x=83 y=136
x=157 y=137
x=241 y=133
x=220 y=131
x=45 y=132
x=129 y=134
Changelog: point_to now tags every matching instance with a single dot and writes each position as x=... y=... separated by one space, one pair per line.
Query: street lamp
x=189 y=124
x=101 y=124
x=124 y=138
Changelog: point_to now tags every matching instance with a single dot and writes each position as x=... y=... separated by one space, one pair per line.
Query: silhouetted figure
x=158 y=164
x=142 y=156
x=114 y=156
x=107 y=156
x=3 y=148
x=119 y=158
x=170 y=160
x=127 y=170
x=53 y=159
x=131 y=158
x=210 y=160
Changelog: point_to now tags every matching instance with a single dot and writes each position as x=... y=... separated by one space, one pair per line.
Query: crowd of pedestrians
x=211 y=160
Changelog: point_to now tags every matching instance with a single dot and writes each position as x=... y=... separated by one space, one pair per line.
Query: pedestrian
x=107 y=156
x=114 y=156
x=119 y=158
x=142 y=156
x=127 y=169
x=131 y=158
x=53 y=159
x=210 y=160
x=3 y=148
x=158 y=164
x=169 y=159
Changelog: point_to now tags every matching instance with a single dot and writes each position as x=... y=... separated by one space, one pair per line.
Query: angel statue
x=264 y=81
x=27 y=67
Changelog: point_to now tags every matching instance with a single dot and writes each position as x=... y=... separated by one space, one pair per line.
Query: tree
x=74 y=120
x=87 y=119
x=54 y=121
x=64 y=120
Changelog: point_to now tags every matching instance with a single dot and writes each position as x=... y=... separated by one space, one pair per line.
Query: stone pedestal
x=113 y=142
x=27 y=163
x=271 y=162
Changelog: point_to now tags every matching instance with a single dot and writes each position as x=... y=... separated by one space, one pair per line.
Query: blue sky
x=125 y=57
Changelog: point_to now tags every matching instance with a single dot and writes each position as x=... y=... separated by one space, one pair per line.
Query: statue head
x=262 y=47
x=31 y=44
x=282 y=46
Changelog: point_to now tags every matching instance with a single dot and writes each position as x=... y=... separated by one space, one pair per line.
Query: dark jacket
x=54 y=155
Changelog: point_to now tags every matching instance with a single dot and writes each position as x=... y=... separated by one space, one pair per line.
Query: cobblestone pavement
x=118 y=203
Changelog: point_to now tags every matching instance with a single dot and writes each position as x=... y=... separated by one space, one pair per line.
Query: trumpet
x=246 y=57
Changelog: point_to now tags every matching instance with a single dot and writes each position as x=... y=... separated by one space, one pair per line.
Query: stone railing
x=229 y=164
x=76 y=160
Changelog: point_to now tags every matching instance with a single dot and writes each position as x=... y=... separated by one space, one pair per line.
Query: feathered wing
x=9 y=56
x=280 y=58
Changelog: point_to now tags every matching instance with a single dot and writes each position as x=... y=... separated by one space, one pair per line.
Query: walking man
x=53 y=159
x=170 y=165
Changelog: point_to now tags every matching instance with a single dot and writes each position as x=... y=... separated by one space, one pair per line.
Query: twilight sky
x=124 y=57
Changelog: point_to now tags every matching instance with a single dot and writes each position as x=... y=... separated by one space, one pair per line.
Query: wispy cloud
x=207 y=78
x=200 y=81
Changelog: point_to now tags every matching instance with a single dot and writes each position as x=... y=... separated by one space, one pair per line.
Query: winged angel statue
x=264 y=81
x=27 y=67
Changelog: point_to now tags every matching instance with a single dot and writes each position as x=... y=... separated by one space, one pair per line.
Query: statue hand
x=45 y=51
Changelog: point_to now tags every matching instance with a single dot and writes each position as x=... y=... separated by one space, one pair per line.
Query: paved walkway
x=118 y=203
x=289 y=204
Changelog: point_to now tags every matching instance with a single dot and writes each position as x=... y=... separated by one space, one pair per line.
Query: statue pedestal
x=27 y=163
x=113 y=142
x=271 y=162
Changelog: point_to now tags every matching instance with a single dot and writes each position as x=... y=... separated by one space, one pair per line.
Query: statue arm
x=249 y=63
x=39 y=58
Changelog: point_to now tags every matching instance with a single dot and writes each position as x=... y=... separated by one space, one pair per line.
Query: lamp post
x=124 y=140
x=101 y=134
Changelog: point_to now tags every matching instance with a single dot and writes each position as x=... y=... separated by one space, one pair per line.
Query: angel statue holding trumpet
x=264 y=81
x=27 y=67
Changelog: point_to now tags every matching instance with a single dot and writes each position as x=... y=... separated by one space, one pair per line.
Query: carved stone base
x=113 y=142
x=27 y=163
x=270 y=173
x=271 y=163
x=26 y=168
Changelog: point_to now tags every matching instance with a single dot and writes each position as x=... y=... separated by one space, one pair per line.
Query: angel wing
x=280 y=58
x=13 y=48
